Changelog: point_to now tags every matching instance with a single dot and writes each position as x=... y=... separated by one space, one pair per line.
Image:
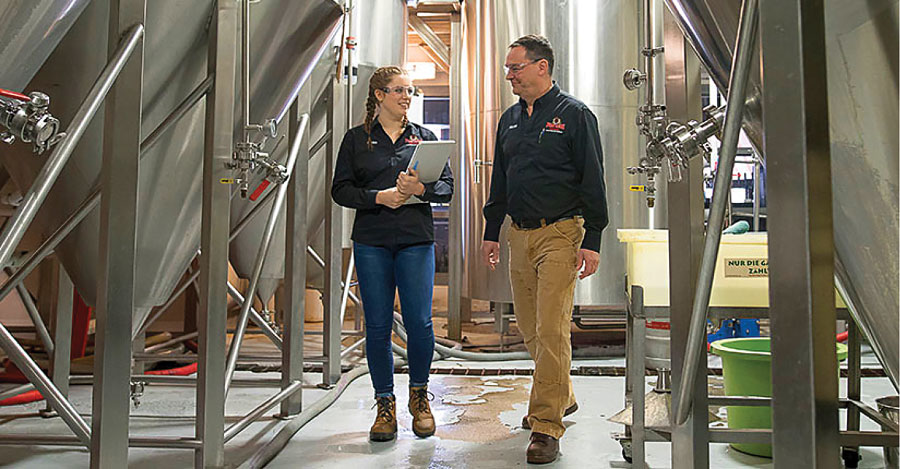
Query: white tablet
x=429 y=160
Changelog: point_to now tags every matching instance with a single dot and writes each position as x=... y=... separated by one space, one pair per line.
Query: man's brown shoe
x=385 y=426
x=423 y=420
x=571 y=410
x=543 y=449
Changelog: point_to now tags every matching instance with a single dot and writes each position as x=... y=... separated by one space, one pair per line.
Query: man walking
x=548 y=177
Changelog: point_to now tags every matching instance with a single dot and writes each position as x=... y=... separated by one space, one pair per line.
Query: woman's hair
x=380 y=80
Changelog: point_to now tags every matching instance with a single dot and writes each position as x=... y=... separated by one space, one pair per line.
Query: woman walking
x=393 y=242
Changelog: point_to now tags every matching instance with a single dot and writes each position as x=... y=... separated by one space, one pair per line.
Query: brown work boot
x=543 y=449
x=385 y=426
x=569 y=411
x=423 y=420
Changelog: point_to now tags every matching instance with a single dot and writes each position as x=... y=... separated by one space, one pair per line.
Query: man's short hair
x=537 y=48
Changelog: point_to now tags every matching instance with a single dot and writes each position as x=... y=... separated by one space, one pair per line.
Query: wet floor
x=479 y=426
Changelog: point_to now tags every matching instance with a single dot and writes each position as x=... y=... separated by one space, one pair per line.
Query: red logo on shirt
x=412 y=140
x=556 y=125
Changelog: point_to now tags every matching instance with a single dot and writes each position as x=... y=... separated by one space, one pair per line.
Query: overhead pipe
x=15 y=228
x=740 y=75
x=238 y=337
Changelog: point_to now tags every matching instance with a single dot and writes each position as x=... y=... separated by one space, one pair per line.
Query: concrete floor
x=478 y=420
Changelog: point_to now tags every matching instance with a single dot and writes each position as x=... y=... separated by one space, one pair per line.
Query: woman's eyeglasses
x=400 y=90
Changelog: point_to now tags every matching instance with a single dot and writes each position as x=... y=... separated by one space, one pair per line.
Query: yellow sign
x=226 y=181
x=636 y=188
x=747 y=267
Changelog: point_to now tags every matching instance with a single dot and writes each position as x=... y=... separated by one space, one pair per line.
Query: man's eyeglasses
x=400 y=90
x=516 y=68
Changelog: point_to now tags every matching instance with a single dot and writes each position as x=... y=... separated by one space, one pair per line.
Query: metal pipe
x=648 y=51
x=16 y=391
x=756 y=195
x=353 y=347
x=186 y=105
x=179 y=380
x=40 y=381
x=740 y=75
x=319 y=143
x=261 y=409
x=346 y=286
x=245 y=69
x=82 y=211
x=169 y=343
x=141 y=442
x=16 y=226
x=257 y=318
x=39 y=326
x=194 y=276
x=238 y=337
x=349 y=98
x=316 y=257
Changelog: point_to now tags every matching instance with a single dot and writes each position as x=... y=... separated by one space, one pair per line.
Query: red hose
x=14 y=95
x=24 y=398
x=182 y=371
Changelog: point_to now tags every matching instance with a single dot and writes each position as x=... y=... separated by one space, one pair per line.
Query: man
x=548 y=177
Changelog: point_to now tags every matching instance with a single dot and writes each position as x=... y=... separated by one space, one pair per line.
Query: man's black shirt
x=359 y=175
x=548 y=165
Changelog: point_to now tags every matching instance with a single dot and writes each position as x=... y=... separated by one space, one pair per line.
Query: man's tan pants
x=542 y=272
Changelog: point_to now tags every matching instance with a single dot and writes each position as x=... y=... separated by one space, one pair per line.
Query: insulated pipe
x=15 y=228
x=93 y=199
x=740 y=75
x=30 y=369
x=238 y=337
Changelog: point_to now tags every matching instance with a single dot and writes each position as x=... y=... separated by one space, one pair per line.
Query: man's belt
x=535 y=223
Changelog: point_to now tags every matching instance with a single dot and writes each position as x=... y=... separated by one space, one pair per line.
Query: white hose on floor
x=267 y=453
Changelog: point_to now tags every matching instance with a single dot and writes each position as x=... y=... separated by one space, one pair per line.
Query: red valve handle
x=14 y=95
x=259 y=190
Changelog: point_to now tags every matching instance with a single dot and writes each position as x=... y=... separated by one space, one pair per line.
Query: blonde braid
x=380 y=79
x=371 y=103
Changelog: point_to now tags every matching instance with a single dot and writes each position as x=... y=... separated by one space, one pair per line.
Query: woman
x=393 y=242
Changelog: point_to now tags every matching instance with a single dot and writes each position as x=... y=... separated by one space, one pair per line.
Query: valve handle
x=12 y=94
x=259 y=190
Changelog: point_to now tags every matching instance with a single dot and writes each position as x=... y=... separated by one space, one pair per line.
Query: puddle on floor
x=470 y=408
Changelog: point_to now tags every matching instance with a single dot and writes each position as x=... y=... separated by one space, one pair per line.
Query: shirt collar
x=409 y=129
x=546 y=98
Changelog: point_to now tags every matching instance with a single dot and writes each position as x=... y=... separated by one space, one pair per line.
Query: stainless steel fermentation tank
x=862 y=63
x=379 y=27
x=289 y=36
x=594 y=41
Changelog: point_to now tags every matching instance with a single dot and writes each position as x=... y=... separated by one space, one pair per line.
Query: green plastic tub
x=747 y=368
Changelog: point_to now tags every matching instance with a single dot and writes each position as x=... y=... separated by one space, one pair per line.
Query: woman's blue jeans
x=410 y=270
